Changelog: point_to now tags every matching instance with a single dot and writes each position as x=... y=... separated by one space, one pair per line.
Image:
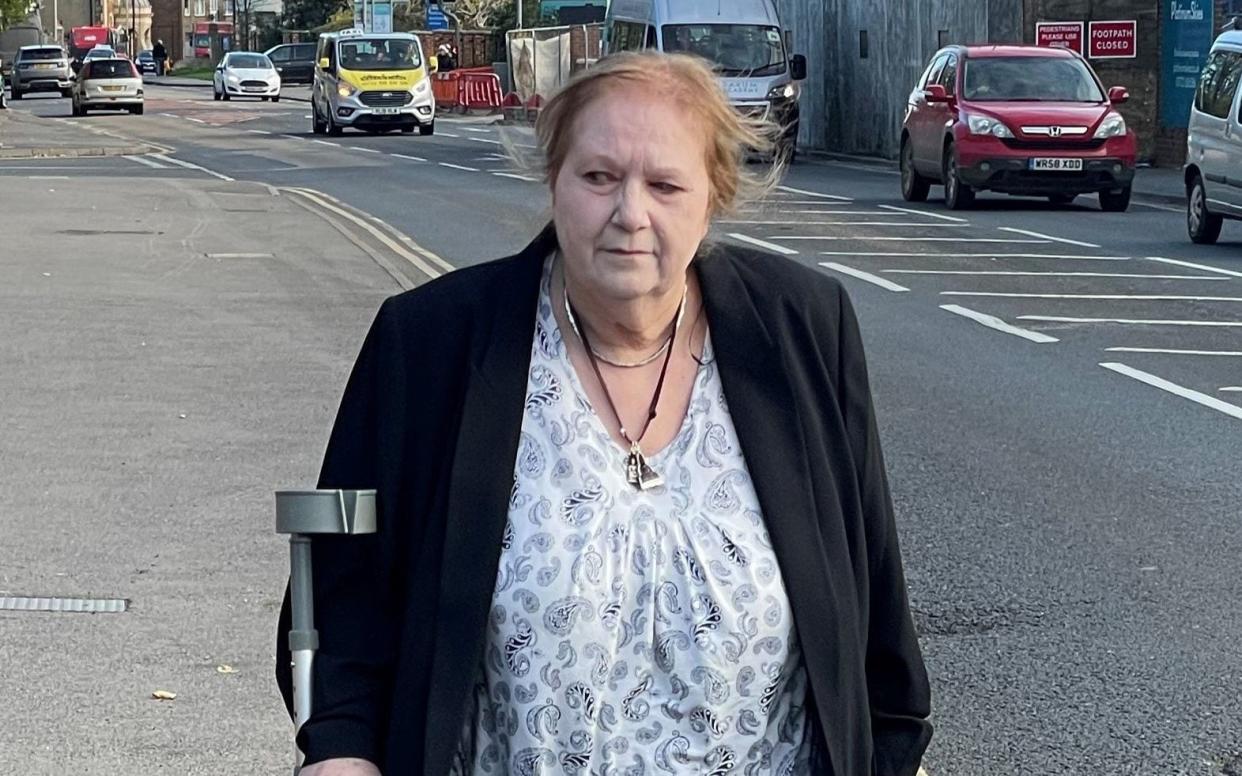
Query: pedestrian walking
x=633 y=511
x=161 y=56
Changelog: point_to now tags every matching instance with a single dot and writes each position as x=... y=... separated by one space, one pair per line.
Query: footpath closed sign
x=1066 y=35
x=1112 y=40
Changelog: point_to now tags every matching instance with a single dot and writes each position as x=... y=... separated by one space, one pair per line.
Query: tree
x=14 y=12
x=309 y=14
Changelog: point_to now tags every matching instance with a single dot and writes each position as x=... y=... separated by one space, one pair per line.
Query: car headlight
x=422 y=87
x=1113 y=125
x=987 y=125
x=783 y=92
x=232 y=78
x=345 y=90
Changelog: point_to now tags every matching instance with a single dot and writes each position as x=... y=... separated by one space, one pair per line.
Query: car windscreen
x=380 y=54
x=111 y=68
x=100 y=53
x=146 y=56
x=735 y=49
x=1030 y=79
x=41 y=55
x=250 y=62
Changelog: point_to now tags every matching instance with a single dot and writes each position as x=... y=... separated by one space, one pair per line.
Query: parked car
x=40 y=69
x=294 y=61
x=108 y=84
x=246 y=74
x=1213 y=171
x=1019 y=120
x=145 y=62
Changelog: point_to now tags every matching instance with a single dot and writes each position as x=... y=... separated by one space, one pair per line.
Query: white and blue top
x=633 y=632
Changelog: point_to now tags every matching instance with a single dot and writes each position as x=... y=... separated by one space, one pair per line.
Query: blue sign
x=1186 y=32
x=436 y=20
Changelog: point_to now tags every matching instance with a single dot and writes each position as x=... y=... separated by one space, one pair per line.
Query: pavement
x=175 y=351
x=26 y=135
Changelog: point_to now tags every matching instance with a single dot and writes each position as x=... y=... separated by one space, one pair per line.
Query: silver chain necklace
x=569 y=313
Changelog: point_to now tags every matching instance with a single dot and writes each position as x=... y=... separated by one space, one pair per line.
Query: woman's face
x=631 y=201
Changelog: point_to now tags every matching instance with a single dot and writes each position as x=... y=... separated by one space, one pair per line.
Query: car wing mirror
x=935 y=93
x=797 y=67
x=1118 y=95
x=323 y=64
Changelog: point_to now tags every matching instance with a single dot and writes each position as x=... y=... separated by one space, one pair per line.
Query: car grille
x=1069 y=146
x=261 y=84
x=385 y=99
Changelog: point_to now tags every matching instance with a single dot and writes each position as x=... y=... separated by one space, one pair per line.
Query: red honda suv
x=1017 y=120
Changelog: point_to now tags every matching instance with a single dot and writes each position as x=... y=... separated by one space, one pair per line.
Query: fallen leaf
x=163 y=695
x=226 y=669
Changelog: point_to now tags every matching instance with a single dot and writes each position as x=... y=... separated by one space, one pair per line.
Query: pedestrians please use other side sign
x=1066 y=35
x=1112 y=40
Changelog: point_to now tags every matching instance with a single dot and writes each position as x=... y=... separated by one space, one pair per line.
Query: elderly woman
x=633 y=512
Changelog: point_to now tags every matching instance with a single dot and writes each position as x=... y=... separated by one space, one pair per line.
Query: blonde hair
x=690 y=83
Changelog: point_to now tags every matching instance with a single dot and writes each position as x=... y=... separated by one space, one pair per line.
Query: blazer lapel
x=764 y=410
x=478 y=500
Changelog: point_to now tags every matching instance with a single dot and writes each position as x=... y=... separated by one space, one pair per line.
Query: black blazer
x=431 y=418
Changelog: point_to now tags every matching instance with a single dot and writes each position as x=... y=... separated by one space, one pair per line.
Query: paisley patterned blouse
x=633 y=632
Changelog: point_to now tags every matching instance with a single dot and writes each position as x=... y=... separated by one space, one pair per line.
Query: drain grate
x=87 y=605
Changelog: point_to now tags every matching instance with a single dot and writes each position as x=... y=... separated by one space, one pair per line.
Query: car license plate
x=46 y=67
x=385 y=111
x=254 y=88
x=113 y=88
x=1057 y=164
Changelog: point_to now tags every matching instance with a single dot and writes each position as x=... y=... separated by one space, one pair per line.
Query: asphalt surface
x=1063 y=440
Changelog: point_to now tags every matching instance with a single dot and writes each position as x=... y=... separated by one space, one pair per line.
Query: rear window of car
x=41 y=54
x=1030 y=79
x=111 y=68
x=249 y=62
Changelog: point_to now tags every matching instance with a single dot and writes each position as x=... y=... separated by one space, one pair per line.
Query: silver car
x=40 y=69
x=1214 y=143
x=108 y=84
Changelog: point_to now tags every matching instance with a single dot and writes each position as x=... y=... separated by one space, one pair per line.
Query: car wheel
x=225 y=96
x=215 y=95
x=427 y=129
x=914 y=187
x=66 y=93
x=957 y=195
x=15 y=93
x=333 y=129
x=137 y=110
x=1115 y=201
x=317 y=125
x=276 y=98
x=1202 y=225
x=1061 y=199
x=405 y=130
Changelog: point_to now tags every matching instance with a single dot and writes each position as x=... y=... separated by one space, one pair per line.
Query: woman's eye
x=597 y=177
x=664 y=187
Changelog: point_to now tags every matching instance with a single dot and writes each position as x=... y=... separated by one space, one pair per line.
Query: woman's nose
x=631 y=210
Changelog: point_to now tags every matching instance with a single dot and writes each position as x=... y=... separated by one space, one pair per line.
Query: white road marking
x=170 y=115
x=867 y=276
x=868 y=254
x=308 y=116
x=781 y=249
x=927 y=213
x=992 y=322
x=1043 y=236
x=515 y=176
x=239 y=255
x=325 y=142
x=1130 y=321
x=258 y=131
x=1232 y=410
x=1192 y=265
x=47 y=177
x=364 y=150
x=1045 y=274
x=191 y=166
x=485 y=140
x=476 y=129
x=777 y=211
x=411 y=158
x=921 y=225
x=937 y=239
x=820 y=202
x=1165 y=208
x=458 y=167
x=293 y=137
x=791 y=190
x=1175 y=352
x=147 y=162
x=1100 y=297
x=1232 y=389
x=448 y=134
x=196 y=121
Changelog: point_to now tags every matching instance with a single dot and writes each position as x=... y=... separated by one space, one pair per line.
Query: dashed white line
x=888 y=285
x=458 y=167
x=410 y=158
x=781 y=249
x=515 y=176
x=47 y=177
x=872 y=238
x=1232 y=410
x=803 y=202
x=992 y=322
x=145 y=161
x=485 y=140
x=1176 y=352
x=258 y=131
x=191 y=166
x=476 y=129
x=196 y=121
x=1098 y=297
x=325 y=142
x=927 y=213
x=293 y=137
x=1049 y=237
x=1130 y=321
x=448 y=134
x=1192 y=265
x=1046 y=274
x=363 y=150
x=893 y=224
x=791 y=190
x=1231 y=389
x=869 y=254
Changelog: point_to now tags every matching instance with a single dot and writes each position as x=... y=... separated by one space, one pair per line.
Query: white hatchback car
x=1214 y=143
x=107 y=84
x=246 y=74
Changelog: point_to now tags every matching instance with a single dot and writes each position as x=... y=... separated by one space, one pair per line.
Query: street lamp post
x=520 y=3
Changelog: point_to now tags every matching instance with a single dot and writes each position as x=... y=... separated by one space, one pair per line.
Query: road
x=1060 y=397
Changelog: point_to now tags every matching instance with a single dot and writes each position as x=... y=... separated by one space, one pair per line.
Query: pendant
x=638 y=473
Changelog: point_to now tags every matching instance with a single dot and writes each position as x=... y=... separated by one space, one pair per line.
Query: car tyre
x=957 y=195
x=914 y=187
x=318 y=127
x=15 y=93
x=137 y=110
x=1061 y=199
x=66 y=93
x=215 y=95
x=1115 y=201
x=224 y=95
x=276 y=98
x=333 y=129
x=1202 y=225
x=407 y=129
x=427 y=129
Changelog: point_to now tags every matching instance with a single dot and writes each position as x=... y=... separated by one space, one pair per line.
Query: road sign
x=1112 y=40
x=1186 y=34
x=381 y=17
x=1066 y=35
x=436 y=20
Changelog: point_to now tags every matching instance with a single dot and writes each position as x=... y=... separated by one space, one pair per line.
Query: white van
x=1214 y=143
x=743 y=39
